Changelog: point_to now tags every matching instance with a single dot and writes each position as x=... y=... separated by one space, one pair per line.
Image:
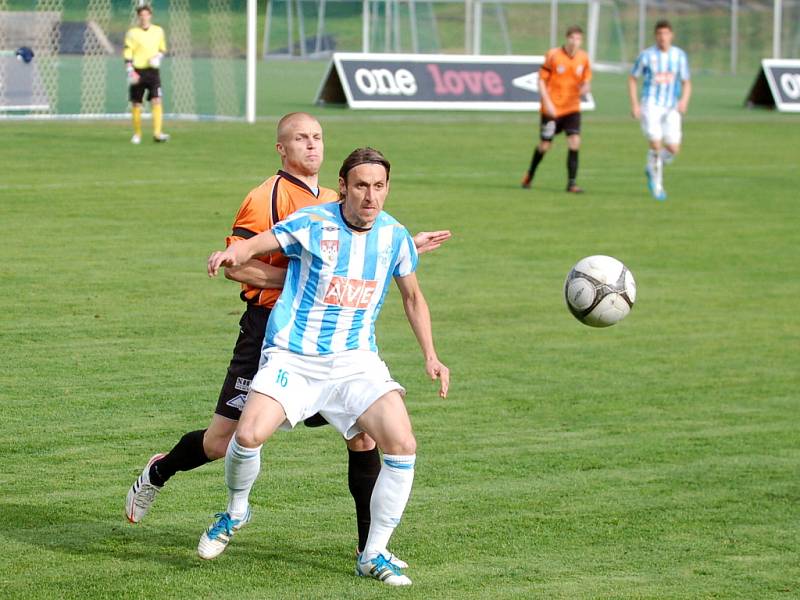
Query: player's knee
x=404 y=445
x=544 y=146
x=361 y=443
x=247 y=436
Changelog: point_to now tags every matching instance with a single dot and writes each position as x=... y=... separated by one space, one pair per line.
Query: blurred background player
x=664 y=69
x=563 y=79
x=145 y=46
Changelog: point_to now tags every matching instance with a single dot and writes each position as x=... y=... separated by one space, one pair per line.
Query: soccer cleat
x=574 y=189
x=526 y=182
x=381 y=569
x=215 y=539
x=651 y=180
x=142 y=493
x=392 y=558
x=161 y=137
x=660 y=194
x=136 y=139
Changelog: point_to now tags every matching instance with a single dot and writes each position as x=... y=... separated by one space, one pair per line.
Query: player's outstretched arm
x=426 y=241
x=636 y=111
x=258 y=274
x=242 y=251
x=419 y=317
x=686 y=93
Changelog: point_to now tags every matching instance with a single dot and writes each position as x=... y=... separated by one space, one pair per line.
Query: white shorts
x=341 y=387
x=660 y=123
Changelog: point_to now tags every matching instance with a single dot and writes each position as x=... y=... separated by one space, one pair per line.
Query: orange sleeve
x=547 y=66
x=587 y=71
x=251 y=218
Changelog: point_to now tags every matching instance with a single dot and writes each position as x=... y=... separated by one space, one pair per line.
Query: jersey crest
x=330 y=250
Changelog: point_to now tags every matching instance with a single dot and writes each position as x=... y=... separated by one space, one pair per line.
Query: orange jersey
x=564 y=75
x=272 y=201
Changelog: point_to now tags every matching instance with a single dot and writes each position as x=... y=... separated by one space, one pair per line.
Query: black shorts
x=569 y=124
x=244 y=364
x=149 y=80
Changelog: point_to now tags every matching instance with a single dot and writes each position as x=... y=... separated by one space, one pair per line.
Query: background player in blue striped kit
x=320 y=353
x=666 y=89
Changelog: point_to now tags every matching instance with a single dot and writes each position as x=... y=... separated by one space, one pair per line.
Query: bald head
x=292 y=121
x=300 y=144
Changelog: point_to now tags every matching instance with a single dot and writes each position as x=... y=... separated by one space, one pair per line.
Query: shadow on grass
x=60 y=529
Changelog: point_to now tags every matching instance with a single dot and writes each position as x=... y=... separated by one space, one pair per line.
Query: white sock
x=655 y=165
x=389 y=499
x=241 y=470
x=666 y=156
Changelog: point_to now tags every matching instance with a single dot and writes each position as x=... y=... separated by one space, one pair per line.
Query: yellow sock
x=158 y=117
x=136 y=112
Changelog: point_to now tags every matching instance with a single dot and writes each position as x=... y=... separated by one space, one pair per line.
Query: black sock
x=187 y=454
x=537 y=158
x=572 y=166
x=362 y=472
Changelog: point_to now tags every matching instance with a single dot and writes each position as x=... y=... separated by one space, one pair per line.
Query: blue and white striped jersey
x=337 y=280
x=663 y=74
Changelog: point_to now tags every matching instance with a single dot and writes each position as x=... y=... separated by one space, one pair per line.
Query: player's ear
x=280 y=149
x=342 y=186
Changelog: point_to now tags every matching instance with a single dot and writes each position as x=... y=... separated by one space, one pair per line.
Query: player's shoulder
x=319 y=213
x=157 y=29
x=263 y=191
x=328 y=195
x=386 y=220
x=582 y=56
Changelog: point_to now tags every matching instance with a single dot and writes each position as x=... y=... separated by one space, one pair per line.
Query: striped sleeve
x=685 y=74
x=407 y=256
x=638 y=66
x=293 y=234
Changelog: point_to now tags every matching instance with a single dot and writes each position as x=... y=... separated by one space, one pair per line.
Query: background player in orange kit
x=563 y=79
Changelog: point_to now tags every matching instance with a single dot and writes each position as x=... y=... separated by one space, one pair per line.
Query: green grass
x=655 y=459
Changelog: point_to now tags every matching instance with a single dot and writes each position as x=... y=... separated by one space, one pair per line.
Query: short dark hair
x=361 y=156
x=662 y=24
x=144 y=7
x=574 y=29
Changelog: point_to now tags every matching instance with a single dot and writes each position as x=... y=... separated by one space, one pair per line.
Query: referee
x=145 y=46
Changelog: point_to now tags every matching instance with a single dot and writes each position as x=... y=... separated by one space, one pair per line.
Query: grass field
x=655 y=459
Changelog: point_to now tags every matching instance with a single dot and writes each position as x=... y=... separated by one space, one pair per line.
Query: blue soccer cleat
x=381 y=569
x=656 y=190
x=215 y=539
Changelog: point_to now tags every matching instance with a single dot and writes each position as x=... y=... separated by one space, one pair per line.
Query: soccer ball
x=599 y=291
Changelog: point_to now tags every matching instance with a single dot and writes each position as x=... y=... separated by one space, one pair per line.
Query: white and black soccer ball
x=600 y=291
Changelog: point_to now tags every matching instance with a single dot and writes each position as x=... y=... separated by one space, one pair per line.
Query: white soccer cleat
x=392 y=558
x=136 y=139
x=396 y=560
x=161 y=137
x=381 y=569
x=215 y=539
x=142 y=493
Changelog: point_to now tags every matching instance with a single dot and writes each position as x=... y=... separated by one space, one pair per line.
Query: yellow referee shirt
x=143 y=44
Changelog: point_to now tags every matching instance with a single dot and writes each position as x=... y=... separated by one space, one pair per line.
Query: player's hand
x=133 y=77
x=436 y=370
x=683 y=106
x=226 y=258
x=426 y=241
x=550 y=109
x=155 y=61
x=636 y=112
